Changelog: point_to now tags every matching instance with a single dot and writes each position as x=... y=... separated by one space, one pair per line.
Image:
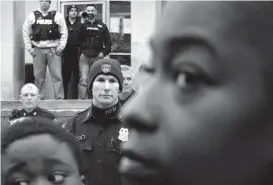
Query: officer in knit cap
x=107 y=67
x=99 y=128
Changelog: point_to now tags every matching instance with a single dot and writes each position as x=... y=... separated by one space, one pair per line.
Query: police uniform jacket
x=18 y=113
x=96 y=39
x=98 y=133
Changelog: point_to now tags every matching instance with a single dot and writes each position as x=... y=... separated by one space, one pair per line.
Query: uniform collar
x=33 y=113
x=89 y=114
x=49 y=10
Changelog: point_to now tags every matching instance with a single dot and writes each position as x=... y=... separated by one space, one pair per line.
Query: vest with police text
x=45 y=27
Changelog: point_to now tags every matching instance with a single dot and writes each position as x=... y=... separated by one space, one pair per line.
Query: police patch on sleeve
x=123 y=134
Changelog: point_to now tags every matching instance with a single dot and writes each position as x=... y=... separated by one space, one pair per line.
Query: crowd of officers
x=67 y=46
x=98 y=129
x=74 y=49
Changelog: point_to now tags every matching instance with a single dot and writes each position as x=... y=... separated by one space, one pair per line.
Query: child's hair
x=125 y=68
x=31 y=126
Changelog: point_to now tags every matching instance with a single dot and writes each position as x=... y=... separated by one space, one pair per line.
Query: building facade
x=131 y=23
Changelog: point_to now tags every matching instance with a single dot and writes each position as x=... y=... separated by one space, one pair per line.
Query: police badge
x=123 y=134
x=106 y=68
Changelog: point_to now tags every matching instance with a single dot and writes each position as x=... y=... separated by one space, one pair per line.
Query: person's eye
x=100 y=80
x=193 y=79
x=56 y=178
x=184 y=80
x=112 y=81
x=20 y=182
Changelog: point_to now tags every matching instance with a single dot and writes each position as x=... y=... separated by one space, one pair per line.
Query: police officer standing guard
x=99 y=128
x=96 y=45
x=30 y=97
x=72 y=53
x=45 y=37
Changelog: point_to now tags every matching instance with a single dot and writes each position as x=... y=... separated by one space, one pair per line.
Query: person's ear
x=20 y=96
x=39 y=97
x=83 y=179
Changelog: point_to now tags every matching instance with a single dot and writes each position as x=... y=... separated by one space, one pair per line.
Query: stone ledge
x=50 y=104
x=57 y=113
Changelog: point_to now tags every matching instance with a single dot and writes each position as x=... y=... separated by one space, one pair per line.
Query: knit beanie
x=70 y=7
x=107 y=67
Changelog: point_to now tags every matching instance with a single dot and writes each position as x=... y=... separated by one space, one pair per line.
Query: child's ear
x=83 y=179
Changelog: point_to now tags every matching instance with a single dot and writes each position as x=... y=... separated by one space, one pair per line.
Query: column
x=12 y=49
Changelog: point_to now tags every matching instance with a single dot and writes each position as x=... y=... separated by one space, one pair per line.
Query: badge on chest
x=123 y=134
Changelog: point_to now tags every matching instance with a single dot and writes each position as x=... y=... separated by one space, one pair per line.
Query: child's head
x=35 y=151
x=206 y=116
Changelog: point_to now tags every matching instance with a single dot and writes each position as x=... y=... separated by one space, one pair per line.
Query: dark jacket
x=75 y=32
x=98 y=137
x=96 y=39
x=18 y=113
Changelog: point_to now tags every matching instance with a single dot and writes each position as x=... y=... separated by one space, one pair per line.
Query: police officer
x=128 y=82
x=45 y=37
x=96 y=45
x=99 y=128
x=72 y=53
x=29 y=97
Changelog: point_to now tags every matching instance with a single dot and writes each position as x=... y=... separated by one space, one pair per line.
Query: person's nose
x=140 y=113
x=125 y=81
x=107 y=86
x=29 y=97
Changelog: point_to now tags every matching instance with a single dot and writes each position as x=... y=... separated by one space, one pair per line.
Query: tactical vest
x=45 y=27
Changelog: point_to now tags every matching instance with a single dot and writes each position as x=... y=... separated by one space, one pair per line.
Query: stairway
x=62 y=109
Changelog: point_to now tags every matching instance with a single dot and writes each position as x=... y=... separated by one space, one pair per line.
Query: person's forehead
x=42 y=147
x=192 y=18
x=73 y=9
x=29 y=89
x=90 y=8
x=127 y=74
x=109 y=76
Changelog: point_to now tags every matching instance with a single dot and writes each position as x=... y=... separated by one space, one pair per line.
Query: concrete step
x=50 y=104
x=62 y=109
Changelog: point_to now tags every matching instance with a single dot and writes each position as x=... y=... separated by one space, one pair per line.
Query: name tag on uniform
x=99 y=25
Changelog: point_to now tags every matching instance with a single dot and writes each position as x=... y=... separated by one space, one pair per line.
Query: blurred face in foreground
x=40 y=160
x=205 y=117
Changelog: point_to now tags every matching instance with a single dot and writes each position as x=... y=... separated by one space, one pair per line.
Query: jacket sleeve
x=63 y=30
x=69 y=125
x=27 y=30
x=107 y=41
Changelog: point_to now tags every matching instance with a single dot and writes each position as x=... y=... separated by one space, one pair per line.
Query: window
x=120 y=31
x=117 y=16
